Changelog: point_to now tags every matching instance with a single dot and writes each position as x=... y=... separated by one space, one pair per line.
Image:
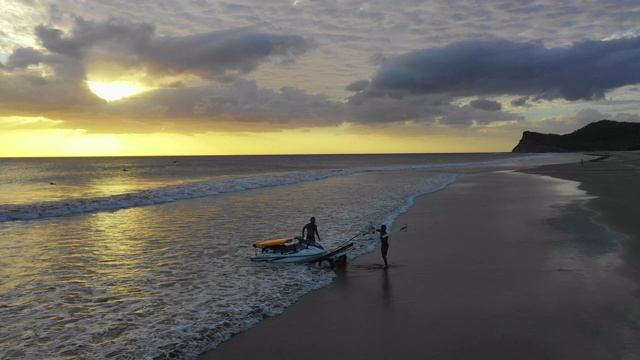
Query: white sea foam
x=159 y=285
x=159 y=195
x=165 y=194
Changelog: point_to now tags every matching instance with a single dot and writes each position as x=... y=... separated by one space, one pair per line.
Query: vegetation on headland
x=603 y=135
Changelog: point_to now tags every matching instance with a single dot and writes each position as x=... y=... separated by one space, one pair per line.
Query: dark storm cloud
x=584 y=71
x=241 y=50
x=424 y=109
x=136 y=45
x=521 y=101
x=24 y=57
x=86 y=34
x=484 y=104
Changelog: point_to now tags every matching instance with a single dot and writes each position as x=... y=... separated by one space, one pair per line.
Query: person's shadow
x=386 y=289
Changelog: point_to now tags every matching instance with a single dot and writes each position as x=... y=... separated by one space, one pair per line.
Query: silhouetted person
x=384 y=238
x=312 y=230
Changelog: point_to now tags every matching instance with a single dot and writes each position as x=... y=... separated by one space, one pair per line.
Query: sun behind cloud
x=115 y=90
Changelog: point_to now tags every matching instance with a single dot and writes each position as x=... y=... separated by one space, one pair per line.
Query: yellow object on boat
x=273 y=242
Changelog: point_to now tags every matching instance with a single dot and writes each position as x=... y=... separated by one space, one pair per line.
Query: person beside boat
x=312 y=230
x=384 y=248
x=384 y=239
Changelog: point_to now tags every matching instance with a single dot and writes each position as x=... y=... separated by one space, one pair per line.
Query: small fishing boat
x=288 y=250
x=299 y=250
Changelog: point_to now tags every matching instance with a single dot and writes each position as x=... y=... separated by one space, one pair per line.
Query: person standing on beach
x=312 y=230
x=384 y=238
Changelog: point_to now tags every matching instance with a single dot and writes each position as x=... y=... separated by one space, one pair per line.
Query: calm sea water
x=148 y=257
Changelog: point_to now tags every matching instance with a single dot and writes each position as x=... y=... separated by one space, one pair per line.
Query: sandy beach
x=499 y=265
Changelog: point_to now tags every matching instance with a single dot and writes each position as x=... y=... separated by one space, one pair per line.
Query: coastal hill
x=603 y=135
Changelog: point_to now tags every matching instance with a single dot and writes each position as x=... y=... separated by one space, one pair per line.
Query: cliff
x=603 y=135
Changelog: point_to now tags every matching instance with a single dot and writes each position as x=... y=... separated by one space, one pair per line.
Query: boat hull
x=300 y=252
x=287 y=258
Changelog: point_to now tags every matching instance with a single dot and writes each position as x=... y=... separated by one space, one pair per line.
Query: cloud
x=583 y=71
x=172 y=44
x=521 y=101
x=237 y=106
x=23 y=57
x=576 y=120
x=52 y=80
x=587 y=116
x=357 y=86
x=484 y=104
x=365 y=107
x=210 y=55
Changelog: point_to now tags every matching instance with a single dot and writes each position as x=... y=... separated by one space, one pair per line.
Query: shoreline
x=612 y=179
x=516 y=270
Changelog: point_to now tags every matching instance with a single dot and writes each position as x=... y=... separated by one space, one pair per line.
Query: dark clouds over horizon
x=136 y=45
x=583 y=71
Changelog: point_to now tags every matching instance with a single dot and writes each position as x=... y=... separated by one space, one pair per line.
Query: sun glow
x=115 y=90
x=78 y=143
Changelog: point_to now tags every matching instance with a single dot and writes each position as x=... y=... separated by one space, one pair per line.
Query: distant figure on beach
x=312 y=230
x=385 y=243
x=581 y=162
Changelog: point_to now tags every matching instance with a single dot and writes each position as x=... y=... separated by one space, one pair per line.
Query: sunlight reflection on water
x=172 y=278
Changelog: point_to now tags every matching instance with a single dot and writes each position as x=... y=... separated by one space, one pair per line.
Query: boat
x=299 y=250
x=288 y=250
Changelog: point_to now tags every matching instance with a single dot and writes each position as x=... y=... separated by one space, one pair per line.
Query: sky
x=210 y=77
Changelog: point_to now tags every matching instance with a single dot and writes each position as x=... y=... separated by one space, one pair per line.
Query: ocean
x=148 y=257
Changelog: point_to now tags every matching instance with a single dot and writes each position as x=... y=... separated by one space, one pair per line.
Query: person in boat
x=384 y=248
x=312 y=230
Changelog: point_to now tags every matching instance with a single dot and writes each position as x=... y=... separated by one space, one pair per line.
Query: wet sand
x=502 y=265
